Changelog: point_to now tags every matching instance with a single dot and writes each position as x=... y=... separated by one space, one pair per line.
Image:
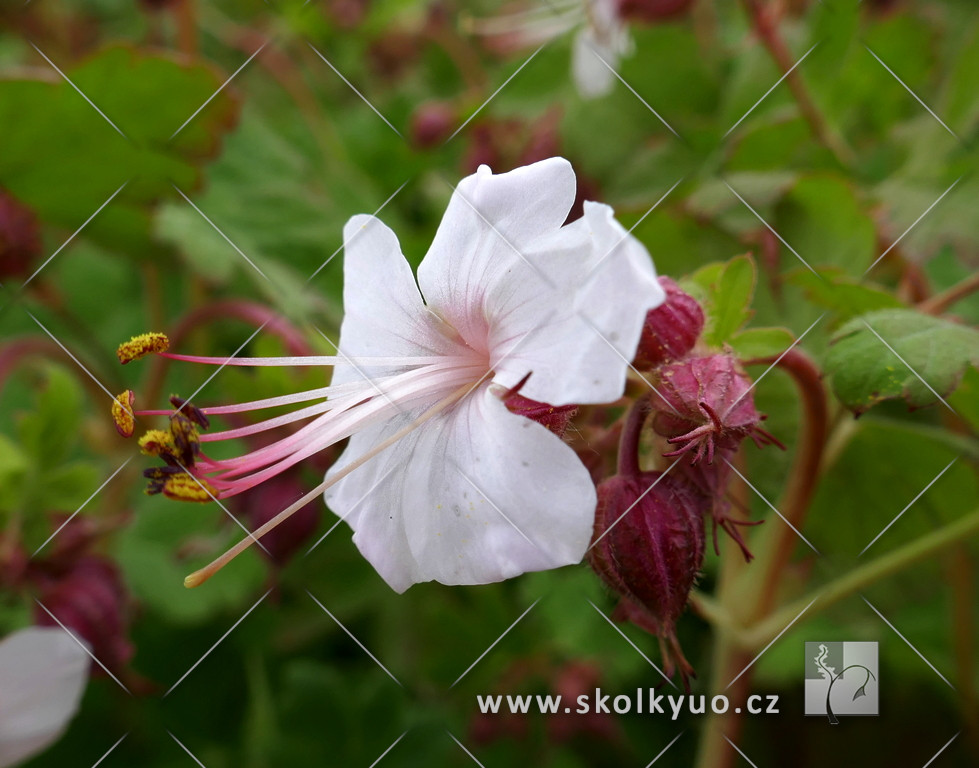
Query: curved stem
x=628 y=460
x=942 y=301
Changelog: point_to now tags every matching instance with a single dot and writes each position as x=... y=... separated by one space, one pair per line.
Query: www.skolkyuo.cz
x=645 y=701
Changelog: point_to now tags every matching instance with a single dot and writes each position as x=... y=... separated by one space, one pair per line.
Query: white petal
x=490 y=221
x=476 y=495
x=42 y=675
x=592 y=65
x=383 y=313
x=577 y=344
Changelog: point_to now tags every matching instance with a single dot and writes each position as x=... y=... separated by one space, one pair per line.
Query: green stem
x=860 y=578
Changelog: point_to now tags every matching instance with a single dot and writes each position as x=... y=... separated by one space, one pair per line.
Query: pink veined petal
x=42 y=675
x=489 y=223
x=495 y=495
x=383 y=312
x=577 y=341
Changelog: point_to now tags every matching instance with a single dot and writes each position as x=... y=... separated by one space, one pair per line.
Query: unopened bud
x=672 y=329
x=20 y=237
x=431 y=124
x=651 y=11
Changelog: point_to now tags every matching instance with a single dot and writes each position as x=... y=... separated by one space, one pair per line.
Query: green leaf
x=725 y=290
x=843 y=295
x=13 y=466
x=50 y=431
x=761 y=342
x=865 y=372
x=64 y=159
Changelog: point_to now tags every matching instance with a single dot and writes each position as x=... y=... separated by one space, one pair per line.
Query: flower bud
x=649 y=546
x=704 y=404
x=651 y=11
x=555 y=417
x=431 y=124
x=672 y=329
x=90 y=600
x=20 y=237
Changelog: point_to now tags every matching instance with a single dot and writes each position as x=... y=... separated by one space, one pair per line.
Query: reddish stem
x=628 y=462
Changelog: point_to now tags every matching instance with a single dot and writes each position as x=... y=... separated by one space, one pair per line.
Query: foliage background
x=278 y=161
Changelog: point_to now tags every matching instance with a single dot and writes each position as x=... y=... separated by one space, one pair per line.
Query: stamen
x=182 y=486
x=157 y=442
x=304 y=360
x=142 y=345
x=200 y=576
x=122 y=413
x=192 y=412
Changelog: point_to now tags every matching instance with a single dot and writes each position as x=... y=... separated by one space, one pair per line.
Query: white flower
x=478 y=494
x=439 y=480
x=42 y=675
x=601 y=41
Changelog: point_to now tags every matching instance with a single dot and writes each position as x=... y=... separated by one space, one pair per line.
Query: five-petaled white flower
x=440 y=481
x=43 y=673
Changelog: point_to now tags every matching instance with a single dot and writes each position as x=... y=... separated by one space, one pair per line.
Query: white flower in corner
x=440 y=481
x=42 y=676
x=601 y=41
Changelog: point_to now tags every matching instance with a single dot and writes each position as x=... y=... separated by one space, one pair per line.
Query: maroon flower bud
x=20 y=237
x=651 y=11
x=649 y=546
x=270 y=498
x=431 y=124
x=90 y=600
x=555 y=417
x=672 y=329
x=704 y=404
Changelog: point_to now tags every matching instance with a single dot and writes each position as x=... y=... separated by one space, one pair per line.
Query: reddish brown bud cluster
x=649 y=547
x=672 y=329
x=704 y=404
x=20 y=237
x=652 y=11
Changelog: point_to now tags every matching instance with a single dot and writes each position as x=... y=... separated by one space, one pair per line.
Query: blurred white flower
x=600 y=43
x=42 y=676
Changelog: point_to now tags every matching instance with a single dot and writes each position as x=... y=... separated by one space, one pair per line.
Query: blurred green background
x=142 y=220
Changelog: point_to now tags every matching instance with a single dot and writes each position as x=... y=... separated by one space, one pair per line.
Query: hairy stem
x=942 y=301
x=628 y=461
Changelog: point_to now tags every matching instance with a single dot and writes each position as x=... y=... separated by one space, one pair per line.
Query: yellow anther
x=184 y=487
x=122 y=413
x=142 y=345
x=156 y=442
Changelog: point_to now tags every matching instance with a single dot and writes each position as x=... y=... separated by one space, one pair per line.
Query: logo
x=841 y=679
